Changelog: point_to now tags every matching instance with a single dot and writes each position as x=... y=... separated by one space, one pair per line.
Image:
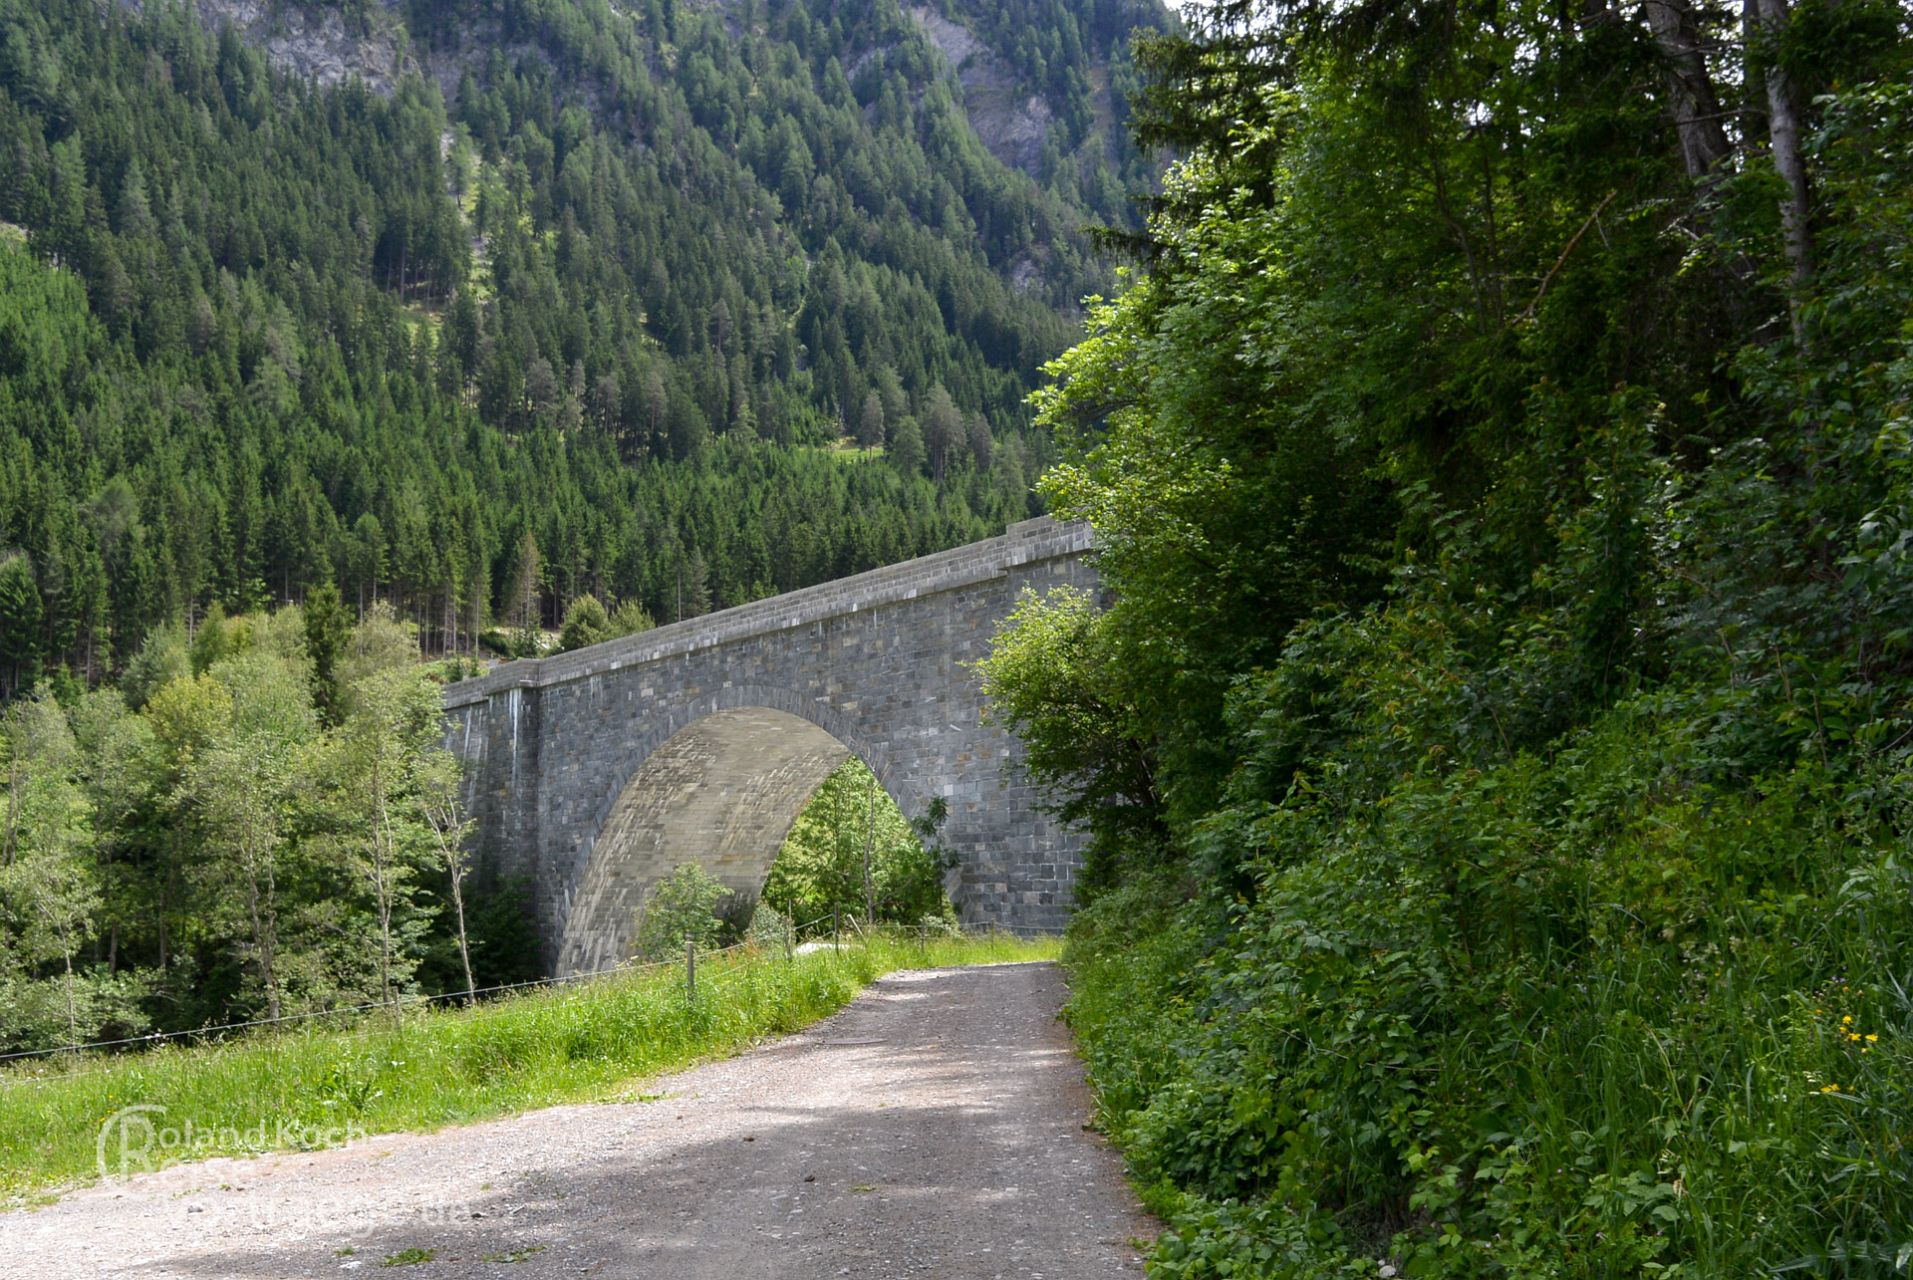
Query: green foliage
x=629 y=618
x=49 y=886
x=212 y=639
x=1051 y=677
x=412 y=1257
x=906 y=446
x=504 y=935
x=21 y=615
x=819 y=869
x=1475 y=998
x=96 y=1003
x=220 y=851
x=381 y=788
x=259 y=727
x=1512 y=603
x=585 y=623
x=681 y=909
x=163 y=657
x=769 y=928
x=328 y=630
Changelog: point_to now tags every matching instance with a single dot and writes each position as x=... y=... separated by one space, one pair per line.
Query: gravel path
x=933 y=1127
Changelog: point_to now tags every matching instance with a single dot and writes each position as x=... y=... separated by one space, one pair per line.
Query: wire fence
x=747 y=949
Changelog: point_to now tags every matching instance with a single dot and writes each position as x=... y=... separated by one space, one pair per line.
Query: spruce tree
x=328 y=631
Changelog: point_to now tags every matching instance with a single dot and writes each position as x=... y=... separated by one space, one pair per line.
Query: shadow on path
x=934 y=1127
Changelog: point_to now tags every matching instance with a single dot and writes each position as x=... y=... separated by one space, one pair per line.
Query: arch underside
x=721 y=792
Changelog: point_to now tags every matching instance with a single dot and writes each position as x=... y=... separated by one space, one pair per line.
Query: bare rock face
x=1012 y=122
x=1026 y=273
x=324 y=48
x=318 y=46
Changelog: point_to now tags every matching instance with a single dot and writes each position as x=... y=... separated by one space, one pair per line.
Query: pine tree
x=523 y=602
x=942 y=429
x=694 y=586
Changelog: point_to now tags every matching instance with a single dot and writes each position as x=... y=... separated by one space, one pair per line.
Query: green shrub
x=681 y=908
x=585 y=623
x=769 y=928
x=1561 y=1016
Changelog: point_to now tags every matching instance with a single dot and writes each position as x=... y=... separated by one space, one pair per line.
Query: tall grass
x=422 y=1068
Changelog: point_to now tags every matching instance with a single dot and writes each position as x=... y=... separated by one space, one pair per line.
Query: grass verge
x=68 y=1120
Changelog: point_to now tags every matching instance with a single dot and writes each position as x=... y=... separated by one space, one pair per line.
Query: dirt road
x=932 y=1128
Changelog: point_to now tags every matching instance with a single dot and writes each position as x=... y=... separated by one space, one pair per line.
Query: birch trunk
x=1691 y=96
x=1783 y=134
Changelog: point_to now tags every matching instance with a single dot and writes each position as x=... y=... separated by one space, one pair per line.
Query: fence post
x=690 y=972
x=790 y=940
x=837 y=931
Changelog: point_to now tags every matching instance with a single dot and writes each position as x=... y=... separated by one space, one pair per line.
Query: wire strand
x=623 y=969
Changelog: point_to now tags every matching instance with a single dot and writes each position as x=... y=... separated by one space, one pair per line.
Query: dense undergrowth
x=1573 y=1016
x=1499 y=739
x=325 y=1084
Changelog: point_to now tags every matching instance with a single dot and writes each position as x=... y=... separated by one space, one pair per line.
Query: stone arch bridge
x=596 y=772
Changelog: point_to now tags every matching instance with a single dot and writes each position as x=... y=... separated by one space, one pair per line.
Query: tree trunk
x=442 y=812
x=383 y=859
x=269 y=954
x=1783 y=132
x=1691 y=96
x=870 y=837
x=12 y=841
x=72 y=1015
x=385 y=913
x=464 y=948
x=263 y=939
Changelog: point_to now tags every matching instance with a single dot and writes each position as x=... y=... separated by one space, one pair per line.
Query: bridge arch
x=719 y=782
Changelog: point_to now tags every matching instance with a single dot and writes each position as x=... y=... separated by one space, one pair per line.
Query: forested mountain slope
x=479 y=307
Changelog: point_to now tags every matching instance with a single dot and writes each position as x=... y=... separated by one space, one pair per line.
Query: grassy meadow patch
x=62 y=1119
